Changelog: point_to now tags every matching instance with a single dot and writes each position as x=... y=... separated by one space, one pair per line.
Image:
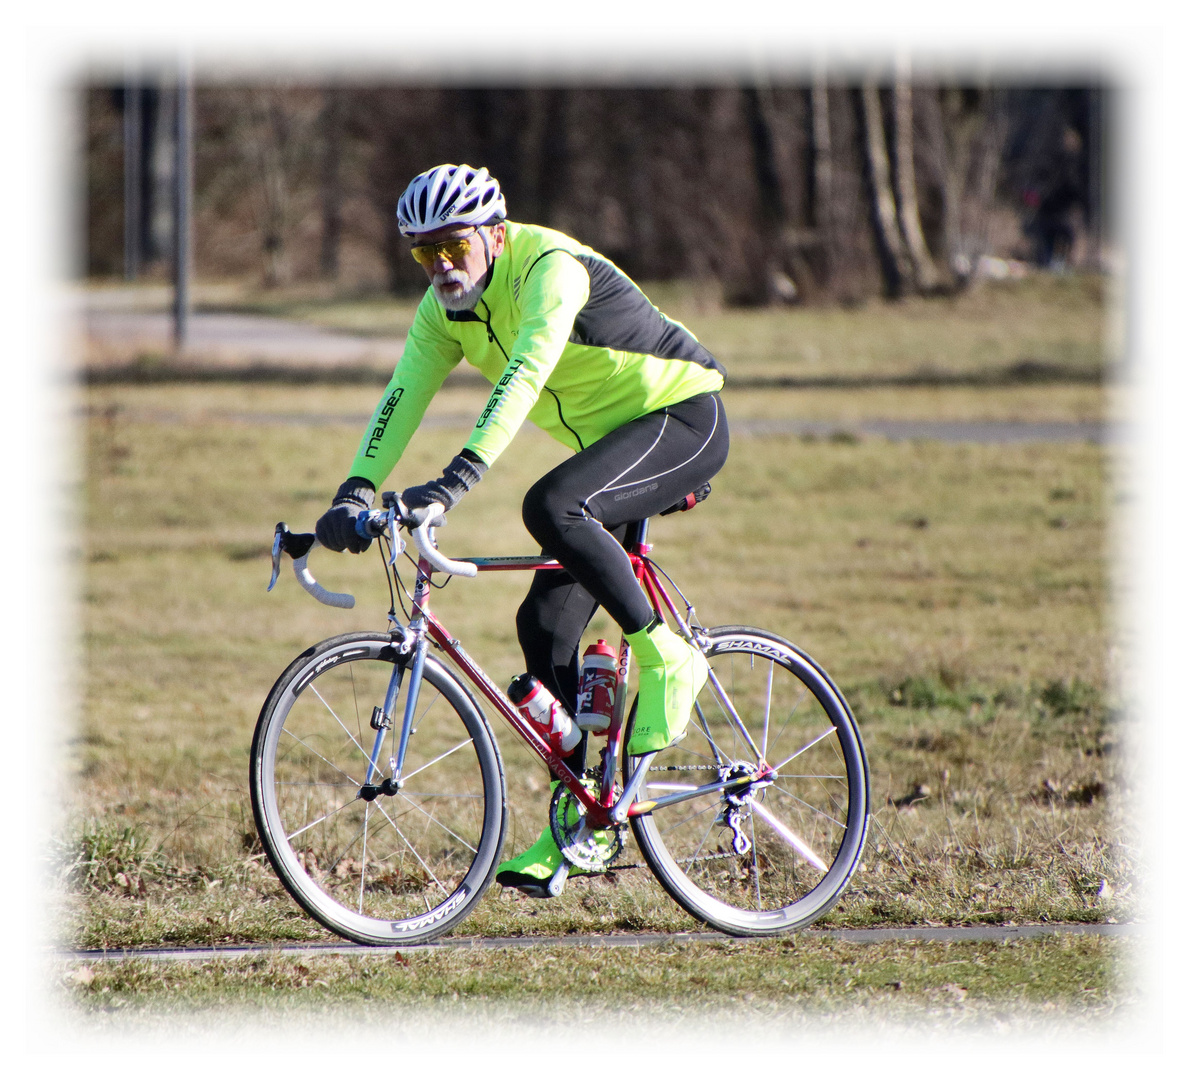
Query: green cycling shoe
x=672 y=672
x=531 y=871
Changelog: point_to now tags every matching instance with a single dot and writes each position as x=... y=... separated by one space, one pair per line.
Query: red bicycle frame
x=598 y=809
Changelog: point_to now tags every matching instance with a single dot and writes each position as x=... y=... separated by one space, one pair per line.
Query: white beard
x=454 y=299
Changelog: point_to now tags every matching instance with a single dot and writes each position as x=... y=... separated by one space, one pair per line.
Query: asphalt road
x=603 y=941
x=219 y=338
x=948 y=431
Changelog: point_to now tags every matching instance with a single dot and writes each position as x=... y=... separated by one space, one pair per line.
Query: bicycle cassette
x=592 y=850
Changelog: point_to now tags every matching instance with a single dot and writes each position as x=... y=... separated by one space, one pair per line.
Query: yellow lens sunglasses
x=455 y=250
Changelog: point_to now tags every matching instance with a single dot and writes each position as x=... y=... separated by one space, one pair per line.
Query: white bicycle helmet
x=449 y=195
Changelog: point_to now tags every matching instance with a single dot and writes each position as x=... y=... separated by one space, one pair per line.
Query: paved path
x=948 y=431
x=603 y=941
x=223 y=339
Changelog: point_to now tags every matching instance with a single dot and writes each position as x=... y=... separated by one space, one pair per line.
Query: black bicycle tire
x=815 y=903
x=285 y=863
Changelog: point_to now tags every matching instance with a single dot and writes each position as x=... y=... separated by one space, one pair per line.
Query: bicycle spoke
x=771 y=705
x=363 y=861
x=812 y=776
x=440 y=757
x=790 y=836
x=318 y=821
x=755 y=862
x=705 y=726
x=810 y=806
x=369 y=866
x=355 y=698
x=705 y=836
x=792 y=712
x=366 y=755
x=767 y=708
x=302 y=742
x=432 y=702
x=312 y=784
x=416 y=855
x=730 y=711
x=798 y=753
x=342 y=854
x=431 y=817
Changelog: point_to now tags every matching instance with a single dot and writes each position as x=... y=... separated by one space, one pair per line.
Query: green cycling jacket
x=567 y=340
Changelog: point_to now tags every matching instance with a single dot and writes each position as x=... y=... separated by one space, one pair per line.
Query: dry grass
x=1057 y=321
x=958 y=593
x=707 y=990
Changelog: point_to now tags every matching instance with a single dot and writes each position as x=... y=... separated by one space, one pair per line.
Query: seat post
x=637 y=534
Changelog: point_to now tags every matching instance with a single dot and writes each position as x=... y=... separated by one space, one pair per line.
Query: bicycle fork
x=382 y=719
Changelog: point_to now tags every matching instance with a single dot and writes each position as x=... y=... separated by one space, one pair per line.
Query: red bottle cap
x=600 y=648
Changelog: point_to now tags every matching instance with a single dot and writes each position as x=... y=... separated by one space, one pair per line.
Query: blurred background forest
x=819 y=191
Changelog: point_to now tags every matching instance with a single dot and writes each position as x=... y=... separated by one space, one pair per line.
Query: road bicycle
x=379 y=794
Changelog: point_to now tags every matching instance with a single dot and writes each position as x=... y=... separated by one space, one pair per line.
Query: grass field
x=960 y=595
x=1055 y=321
x=714 y=991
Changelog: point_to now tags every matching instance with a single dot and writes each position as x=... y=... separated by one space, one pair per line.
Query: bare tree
x=986 y=164
x=898 y=268
x=331 y=182
x=924 y=272
x=769 y=190
x=823 y=170
x=966 y=129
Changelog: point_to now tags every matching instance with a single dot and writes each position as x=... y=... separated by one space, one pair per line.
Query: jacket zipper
x=507 y=359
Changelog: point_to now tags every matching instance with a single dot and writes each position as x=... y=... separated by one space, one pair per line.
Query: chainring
x=591 y=850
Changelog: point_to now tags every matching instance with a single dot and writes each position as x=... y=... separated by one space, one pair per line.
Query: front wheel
x=378 y=868
x=773 y=849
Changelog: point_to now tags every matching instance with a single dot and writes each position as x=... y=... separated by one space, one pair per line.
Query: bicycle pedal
x=558 y=882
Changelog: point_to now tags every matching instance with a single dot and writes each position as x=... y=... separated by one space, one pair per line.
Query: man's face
x=458 y=281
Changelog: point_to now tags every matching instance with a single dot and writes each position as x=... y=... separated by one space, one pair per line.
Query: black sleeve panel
x=619 y=316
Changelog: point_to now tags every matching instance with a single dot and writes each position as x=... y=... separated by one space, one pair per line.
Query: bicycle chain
x=681 y=862
x=684 y=768
x=685 y=862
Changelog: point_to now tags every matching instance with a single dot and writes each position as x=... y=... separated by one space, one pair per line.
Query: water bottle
x=547 y=715
x=596 y=687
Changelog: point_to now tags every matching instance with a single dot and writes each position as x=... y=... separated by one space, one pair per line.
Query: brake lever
x=294 y=544
x=276 y=553
x=396 y=542
x=396 y=513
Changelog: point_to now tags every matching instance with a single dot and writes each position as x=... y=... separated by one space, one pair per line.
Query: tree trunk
x=923 y=270
x=331 y=182
x=765 y=267
x=897 y=268
x=823 y=172
x=962 y=117
x=984 y=182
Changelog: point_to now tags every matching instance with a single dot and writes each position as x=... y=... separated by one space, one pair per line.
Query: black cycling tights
x=579 y=514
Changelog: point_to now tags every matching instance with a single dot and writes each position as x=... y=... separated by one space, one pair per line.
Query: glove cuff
x=357 y=491
x=463 y=471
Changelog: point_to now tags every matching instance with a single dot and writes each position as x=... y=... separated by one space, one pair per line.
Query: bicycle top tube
x=634 y=543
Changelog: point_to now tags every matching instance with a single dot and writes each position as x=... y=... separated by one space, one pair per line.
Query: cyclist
x=571 y=343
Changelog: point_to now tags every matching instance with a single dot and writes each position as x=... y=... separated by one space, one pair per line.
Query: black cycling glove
x=336 y=528
x=462 y=474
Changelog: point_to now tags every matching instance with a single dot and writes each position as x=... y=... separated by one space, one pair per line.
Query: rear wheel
x=775 y=849
x=377 y=868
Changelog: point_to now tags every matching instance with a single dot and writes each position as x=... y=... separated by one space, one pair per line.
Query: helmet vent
x=449 y=195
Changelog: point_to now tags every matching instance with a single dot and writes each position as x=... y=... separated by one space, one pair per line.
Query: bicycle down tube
x=601 y=810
